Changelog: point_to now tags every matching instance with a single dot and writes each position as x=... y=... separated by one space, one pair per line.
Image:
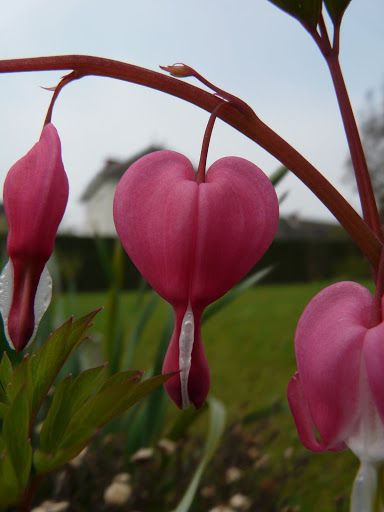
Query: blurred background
x=257 y=52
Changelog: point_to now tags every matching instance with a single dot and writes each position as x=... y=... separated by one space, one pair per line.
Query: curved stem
x=75 y=75
x=250 y=126
x=200 y=175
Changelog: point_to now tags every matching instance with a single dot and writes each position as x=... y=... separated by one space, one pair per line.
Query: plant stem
x=200 y=174
x=363 y=179
x=26 y=501
x=364 y=184
x=251 y=126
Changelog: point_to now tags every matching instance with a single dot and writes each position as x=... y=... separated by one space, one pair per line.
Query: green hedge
x=80 y=265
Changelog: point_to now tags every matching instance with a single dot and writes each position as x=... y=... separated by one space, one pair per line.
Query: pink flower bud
x=35 y=198
x=193 y=243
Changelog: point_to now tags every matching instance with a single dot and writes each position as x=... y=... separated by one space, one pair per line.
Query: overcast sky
x=249 y=48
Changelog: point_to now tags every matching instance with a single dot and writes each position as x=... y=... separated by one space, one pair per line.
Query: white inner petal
x=367 y=442
x=187 y=334
x=42 y=298
x=364 y=492
x=367 y=437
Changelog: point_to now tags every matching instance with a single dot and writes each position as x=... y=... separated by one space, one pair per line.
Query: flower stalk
x=251 y=126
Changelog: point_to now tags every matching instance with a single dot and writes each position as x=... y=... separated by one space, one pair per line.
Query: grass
x=249 y=345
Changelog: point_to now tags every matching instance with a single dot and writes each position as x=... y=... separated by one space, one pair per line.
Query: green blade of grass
x=216 y=427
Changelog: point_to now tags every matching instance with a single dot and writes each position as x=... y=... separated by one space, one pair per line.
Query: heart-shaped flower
x=193 y=242
x=35 y=198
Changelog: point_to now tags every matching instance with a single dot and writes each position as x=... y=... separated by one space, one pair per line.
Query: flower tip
x=178 y=70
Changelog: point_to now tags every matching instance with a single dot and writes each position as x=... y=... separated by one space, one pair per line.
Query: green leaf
x=87 y=382
x=53 y=354
x=45 y=462
x=216 y=428
x=235 y=292
x=9 y=487
x=278 y=175
x=336 y=9
x=119 y=378
x=21 y=378
x=16 y=437
x=5 y=371
x=305 y=11
x=94 y=413
x=68 y=398
x=58 y=416
x=3 y=410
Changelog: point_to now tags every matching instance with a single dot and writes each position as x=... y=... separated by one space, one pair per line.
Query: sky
x=250 y=48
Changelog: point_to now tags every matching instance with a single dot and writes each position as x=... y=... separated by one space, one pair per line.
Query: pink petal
x=35 y=198
x=303 y=419
x=237 y=220
x=374 y=361
x=193 y=242
x=329 y=343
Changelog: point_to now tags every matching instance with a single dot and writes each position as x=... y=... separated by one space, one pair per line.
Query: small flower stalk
x=35 y=198
x=339 y=386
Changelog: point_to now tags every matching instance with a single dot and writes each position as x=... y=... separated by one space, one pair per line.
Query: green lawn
x=249 y=345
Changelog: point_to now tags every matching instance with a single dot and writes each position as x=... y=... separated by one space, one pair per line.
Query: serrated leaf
x=97 y=411
x=16 y=437
x=305 y=11
x=336 y=9
x=108 y=404
x=87 y=421
x=53 y=354
x=6 y=371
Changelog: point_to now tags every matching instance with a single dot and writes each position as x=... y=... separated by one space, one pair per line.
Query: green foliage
x=217 y=419
x=305 y=11
x=336 y=9
x=308 y=11
x=79 y=408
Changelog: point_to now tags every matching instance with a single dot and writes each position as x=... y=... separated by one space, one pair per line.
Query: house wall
x=99 y=215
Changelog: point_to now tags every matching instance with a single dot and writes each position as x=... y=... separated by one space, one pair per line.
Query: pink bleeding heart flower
x=35 y=198
x=338 y=389
x=193 y=242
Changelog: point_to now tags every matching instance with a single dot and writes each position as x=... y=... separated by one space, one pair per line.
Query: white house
x=98 y=195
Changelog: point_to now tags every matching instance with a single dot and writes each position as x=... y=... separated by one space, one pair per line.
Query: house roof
x=113 y=170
